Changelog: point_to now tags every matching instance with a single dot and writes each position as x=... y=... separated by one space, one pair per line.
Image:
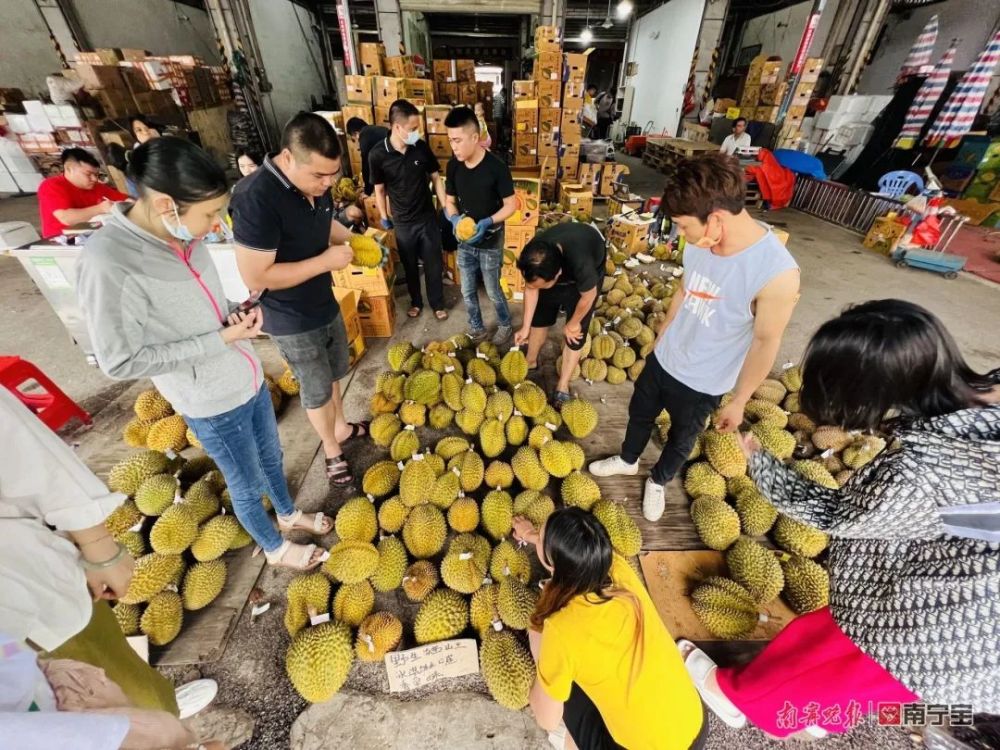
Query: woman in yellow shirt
x=607 y=667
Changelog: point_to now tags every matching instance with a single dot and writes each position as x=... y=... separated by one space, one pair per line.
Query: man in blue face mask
x=402 y=169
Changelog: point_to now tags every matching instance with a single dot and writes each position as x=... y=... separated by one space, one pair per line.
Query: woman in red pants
x=914 y=557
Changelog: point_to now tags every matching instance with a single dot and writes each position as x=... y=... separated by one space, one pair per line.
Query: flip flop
x=338 y=471
x=699 y=665
x=441 y=314
x=321 y=524
x=414 y=312
x=358 y=429
x=195 y=696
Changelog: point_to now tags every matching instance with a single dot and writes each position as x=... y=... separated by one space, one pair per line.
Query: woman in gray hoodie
x=155 y=309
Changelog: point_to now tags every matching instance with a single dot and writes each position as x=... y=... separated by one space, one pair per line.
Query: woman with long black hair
x=914 y=552
x=155 y=308
x=609 y=675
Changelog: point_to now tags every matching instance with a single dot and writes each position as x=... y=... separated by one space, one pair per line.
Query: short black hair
x=356 y=125
x=461 y=117
x=151 y=124
x=738 y=120
x=251 y=154
x=882 y=357
x=401 y=111
x=591 y=86
x=308 y=133
x=178 y=168
x=80 y=155
x=540 y=259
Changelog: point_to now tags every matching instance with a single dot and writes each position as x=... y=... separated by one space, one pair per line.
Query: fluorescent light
x=624 y=9
x=586 y=36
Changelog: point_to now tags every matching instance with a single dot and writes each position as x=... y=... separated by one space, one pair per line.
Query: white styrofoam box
x=7 y=184
x=14 y=158
x=859 y=103
x=856 y=134
x=807 y=126
x=28 y=183
x=63 y=115
x=37 y=118
x=18 y=123
x=878 y=103
x=838 y=103
x=832 y=120
x=15 y=233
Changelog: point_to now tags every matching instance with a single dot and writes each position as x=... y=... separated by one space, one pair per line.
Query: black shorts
x=586 y=726
x=561 y=297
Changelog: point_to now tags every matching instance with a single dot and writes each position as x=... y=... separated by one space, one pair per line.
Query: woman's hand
x=748 y=444
x=243 y=325
x=524 y=530
x=111 y=582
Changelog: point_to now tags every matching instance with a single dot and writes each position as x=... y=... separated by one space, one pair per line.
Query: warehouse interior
x=866 y=134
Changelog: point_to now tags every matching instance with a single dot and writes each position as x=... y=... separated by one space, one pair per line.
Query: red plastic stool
x=52 y=406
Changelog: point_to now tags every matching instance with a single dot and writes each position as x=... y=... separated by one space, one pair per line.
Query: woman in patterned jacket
x=914 y=553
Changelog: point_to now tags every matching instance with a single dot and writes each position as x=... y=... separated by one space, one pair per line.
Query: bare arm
x=506 y=211
x=547 y=710
x=530 y=305
x=380 y=201
x=451 y=206
x=675 y=304
x=339 y=234
x=439 y=189
x=71 y=216
x=260 y=271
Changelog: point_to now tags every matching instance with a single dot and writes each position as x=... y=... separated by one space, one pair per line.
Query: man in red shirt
x=75 y=196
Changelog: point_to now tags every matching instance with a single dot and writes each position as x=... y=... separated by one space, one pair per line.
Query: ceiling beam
x=492 y=7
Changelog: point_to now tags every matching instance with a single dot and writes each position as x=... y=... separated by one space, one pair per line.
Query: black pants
x=586 y=726
x=603 y=126
x=418 y=241
x=656 y=390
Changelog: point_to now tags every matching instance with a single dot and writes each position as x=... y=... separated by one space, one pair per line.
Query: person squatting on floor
x=914 y=551
x=155 y=308
x=288 y=243
x=723 y=327
x=401 y=166
x=479 y=186
x=563 y=268
x=608 y=673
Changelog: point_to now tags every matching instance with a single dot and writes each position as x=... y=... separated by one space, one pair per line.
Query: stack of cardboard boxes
x=764 y=91
x=373 y=293
x=455 y=82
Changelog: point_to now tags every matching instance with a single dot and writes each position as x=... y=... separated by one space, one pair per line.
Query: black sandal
x=338 y=471
x=559 y=398
x=358 y=429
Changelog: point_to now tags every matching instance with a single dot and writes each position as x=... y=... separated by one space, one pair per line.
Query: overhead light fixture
x=624 y=9
x=586 y=36
x=608 y=23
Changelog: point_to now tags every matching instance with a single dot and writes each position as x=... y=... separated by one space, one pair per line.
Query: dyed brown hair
x=703 y=184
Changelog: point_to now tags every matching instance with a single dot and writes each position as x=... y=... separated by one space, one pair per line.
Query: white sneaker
x=653 y=501
x=613 y=467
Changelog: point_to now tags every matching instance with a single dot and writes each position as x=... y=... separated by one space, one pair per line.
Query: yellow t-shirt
x=591 y=644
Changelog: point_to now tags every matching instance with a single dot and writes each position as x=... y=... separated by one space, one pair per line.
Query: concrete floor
x=836 y=271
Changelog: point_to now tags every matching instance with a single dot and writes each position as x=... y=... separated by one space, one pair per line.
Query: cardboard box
x=372 y=214
x=451 y=270
x=348 y=301
x=748 y=113
x=440 y=145
x=885 y=234
x=569 y=171
x=754 y=71
x=511 y=283
x=516 y=237
x=628 y=204
x=359 y=110
x=526 y=117
x=571 y=134
x=781 y=234
x=547 y=39
x=378 y=315
x=630 y=233
x=611 y=174
x=400 y=66
x=132 y=55
x=420 y=89
x=445 y=71
x=435 y=115
x=548 y=144
x=371 y=56
x=772 y=93
x=107 y=56
x=373 y=281
x=359 y=89
x=803 y=93
x=766 y=114
x=576 y=66
x=155 y=103
x=135 y=79
x=99 y=77
x=573 y=93
x=387 y=90
x=576 y=199
x=446 y=93
x=356 y=350
x=528 y=194
x=549 y=121
x=548 y=66
x=549 y=94
x=115 y=102
x=468 y=94
x=796 y=113
x=590 y=177
x=751 y=96
x=549 y=189
x=525 y=89
x=569 y=152
x=722 y=105
x=549 y=169
x=811 y=69
x=465 y=71
x=382 y=116
x=771 y=71
x=525 y=150
x=569 y=117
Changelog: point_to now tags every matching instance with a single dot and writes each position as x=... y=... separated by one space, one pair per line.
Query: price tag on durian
x=426 y=665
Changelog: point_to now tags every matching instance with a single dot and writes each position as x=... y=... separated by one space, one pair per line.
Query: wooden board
x=670 y=577
x=212 y=125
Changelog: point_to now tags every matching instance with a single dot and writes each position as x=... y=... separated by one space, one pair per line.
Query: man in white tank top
x=723 y=328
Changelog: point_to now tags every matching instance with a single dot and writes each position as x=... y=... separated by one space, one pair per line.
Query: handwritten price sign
x=425 y=665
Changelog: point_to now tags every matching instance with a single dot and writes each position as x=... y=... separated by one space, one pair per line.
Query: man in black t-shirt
x=402 y=165
x=480 y=187
x=563 y=268
x=367 y=137
x=288 y=243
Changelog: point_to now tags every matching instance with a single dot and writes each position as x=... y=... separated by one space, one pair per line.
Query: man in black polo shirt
x=563 y=268
x=288 y=243
x=402 y=165
x=479 y=186
x=367 y=137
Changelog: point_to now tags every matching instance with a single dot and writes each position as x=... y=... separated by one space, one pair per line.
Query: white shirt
x=43 y=483
x=731 y=143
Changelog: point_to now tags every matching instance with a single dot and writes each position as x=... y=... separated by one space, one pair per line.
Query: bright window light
x=586 y=36
x=623 y=9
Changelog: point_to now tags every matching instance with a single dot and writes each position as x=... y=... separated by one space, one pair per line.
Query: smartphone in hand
x=250 y=302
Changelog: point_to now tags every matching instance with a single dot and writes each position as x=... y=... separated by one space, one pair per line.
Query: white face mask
x=412 y=138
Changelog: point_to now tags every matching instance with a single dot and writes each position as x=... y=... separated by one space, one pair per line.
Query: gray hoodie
x=154 y=311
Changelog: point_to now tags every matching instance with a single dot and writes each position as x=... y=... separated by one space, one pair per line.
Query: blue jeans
x=244 y=444
x=474 y=261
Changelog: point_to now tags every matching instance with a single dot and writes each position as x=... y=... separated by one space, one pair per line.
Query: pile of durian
x=178 y=519
x=435 y=519
x=731 y=515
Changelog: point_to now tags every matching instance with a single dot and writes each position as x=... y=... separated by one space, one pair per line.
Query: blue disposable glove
x=453 y=220
x=387 y=224
x=481 y=226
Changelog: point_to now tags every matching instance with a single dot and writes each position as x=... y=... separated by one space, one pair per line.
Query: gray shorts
x=318 y=358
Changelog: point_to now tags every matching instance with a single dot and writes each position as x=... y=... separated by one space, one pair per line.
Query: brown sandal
x=441 y=314
x=338 y=471
x=414 y=312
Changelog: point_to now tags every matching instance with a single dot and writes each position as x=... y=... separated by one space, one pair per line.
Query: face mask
x=412 y=138
x=225 y=234
x=706 y=241
x=180 y=231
